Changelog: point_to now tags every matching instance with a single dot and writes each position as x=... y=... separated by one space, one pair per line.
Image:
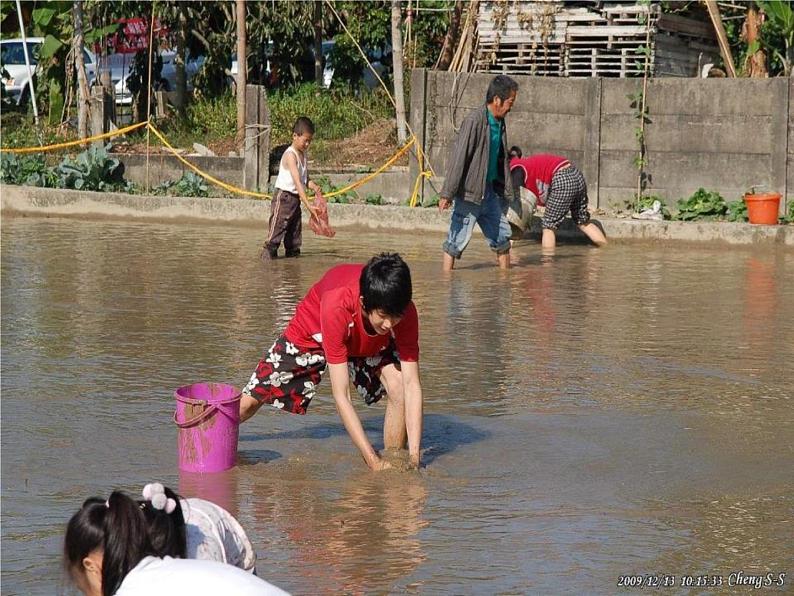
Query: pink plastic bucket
x=208 y=417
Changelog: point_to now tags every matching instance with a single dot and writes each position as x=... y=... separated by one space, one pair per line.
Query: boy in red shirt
x=358 y=321
x=560 y=186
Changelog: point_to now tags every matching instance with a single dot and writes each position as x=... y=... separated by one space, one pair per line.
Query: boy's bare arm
x=339 y=387
x=413 y=409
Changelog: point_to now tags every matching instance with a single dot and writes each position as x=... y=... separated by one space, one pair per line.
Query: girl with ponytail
x=194 y=528
x=109 y=549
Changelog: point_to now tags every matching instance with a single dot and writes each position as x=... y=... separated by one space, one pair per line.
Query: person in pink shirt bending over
x=358 y=321
x=560 y=186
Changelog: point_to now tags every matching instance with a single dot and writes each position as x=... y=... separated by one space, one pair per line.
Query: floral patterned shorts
x=287 y=377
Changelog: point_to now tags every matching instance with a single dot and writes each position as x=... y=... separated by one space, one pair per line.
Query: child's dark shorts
x=288 y=375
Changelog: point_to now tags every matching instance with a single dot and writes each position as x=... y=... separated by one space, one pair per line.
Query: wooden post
x=418 y=114
x=242 y=73
x=97 y=113
x=160 y=104
x=256 y=151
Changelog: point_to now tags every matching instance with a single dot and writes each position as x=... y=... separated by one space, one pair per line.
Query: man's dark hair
x=385 y=284
x=501 y=86
x=302 y=126
x=515 y=151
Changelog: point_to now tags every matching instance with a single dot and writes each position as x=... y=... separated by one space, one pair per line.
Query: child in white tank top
x=291 y=184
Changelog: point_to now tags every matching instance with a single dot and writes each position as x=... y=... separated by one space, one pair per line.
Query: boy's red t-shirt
x=538 y=171
x=330 y=317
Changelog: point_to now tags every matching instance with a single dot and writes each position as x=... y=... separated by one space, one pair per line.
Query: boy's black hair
x=302 y=126
x=515 y=151
x=385 y=284
x=501 y=86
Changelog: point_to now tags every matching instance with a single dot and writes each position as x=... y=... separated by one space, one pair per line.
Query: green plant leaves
x=50 y=46
x=43 y=16
x=702 y=205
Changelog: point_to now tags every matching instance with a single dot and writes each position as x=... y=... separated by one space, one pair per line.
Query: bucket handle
x=205 y=413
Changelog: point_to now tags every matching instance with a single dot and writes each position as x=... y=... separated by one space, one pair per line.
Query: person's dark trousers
x=285 y=225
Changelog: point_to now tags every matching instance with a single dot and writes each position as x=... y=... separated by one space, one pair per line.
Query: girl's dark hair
x=385 y=284
x=166 y=530
x=515 y=151
x=118 y=527
x=302 y=126
x=501 y=86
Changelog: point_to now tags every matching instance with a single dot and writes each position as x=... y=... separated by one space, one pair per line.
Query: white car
x=12 y=58
x=120 y=64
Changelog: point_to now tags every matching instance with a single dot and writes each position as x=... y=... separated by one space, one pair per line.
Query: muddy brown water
x=588 y=415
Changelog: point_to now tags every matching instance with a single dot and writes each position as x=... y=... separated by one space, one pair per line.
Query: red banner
x=134 y=36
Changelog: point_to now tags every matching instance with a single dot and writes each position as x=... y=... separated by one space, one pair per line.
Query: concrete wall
x=393 y=184
x=167 y=167
x=56 y=202
x=723 y=135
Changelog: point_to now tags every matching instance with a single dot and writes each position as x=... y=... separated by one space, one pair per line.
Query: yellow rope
x=229 y=187
x=224 y=185
x=419 y=149
x=366 y=179
x=43 y=148
x=260 y=195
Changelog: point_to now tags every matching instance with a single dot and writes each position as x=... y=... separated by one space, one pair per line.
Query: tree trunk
x=397 y=60
x=448 y=49
x=79 y=63
x=755 y=64
x=242 y=71
x=318 y=42
x=180 y=99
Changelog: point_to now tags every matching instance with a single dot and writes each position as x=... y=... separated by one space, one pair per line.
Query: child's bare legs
x=593 y=232
x=395 y=435
x=549 y=238
x=448 y=263
x=503 y=259
x=248 y=407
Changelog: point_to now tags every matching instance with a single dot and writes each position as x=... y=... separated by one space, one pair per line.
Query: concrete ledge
x=73 y=203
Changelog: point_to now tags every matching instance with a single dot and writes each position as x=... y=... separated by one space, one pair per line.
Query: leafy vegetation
x=93 y=169
x=789 y=216
x=28 y=170
x=736 y=211
x=432 y=201
x=702 y=205
x=350 y=196
x=189 y=185
x=374 y=199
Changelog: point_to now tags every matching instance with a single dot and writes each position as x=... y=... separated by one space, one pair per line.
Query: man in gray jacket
x=478 y=177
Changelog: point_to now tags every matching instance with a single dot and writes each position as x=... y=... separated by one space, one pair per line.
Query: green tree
x=777 y=33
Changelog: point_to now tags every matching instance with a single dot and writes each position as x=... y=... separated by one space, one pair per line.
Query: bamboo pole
x=722 y=37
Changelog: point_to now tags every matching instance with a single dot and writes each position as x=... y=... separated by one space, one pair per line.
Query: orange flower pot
x=762 y=208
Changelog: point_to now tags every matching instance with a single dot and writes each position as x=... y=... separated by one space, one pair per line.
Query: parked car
x=120 y=65
x=369 y=79
x=12 y=57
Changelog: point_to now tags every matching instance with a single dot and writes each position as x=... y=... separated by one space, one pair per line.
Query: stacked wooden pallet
x=610 y=43
x=587 y=39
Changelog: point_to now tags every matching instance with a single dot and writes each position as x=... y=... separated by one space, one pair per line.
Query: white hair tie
x=155 y=494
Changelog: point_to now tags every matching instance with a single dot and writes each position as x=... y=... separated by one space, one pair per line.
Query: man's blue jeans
x=491 y=217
